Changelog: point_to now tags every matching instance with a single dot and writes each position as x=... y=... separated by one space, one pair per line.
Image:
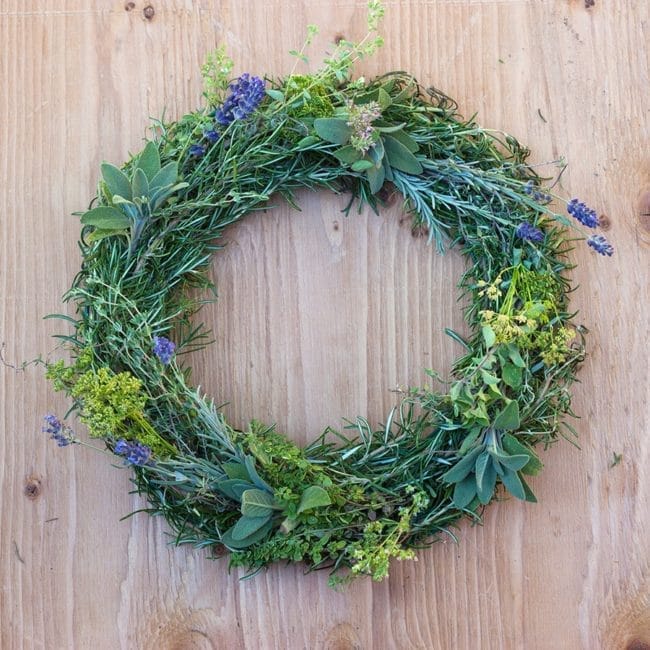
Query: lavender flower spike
x=164 y=349
x=600 y=245
x=135 y=452
x=528 y=232
x=58 y=431
x=246 y=94
x=586 y=216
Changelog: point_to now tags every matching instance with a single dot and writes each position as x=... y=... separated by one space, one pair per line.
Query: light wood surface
x=320 y=317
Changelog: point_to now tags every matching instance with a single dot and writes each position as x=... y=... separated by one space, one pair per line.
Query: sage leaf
x=139 y=184
x=332 y=129
x=405 y=139
x=313 y=497
x=235 y=470
x=362 y=165
x=376 y=177
x=165 y=177
x=464 y=492
x=513 y=484
x=149 y=160
x=233 y=488
x=529 y=496
x=463 y=467
x=106 y=218
x=508 y=418
x=246 y=526
x=482 y=462
x=257 y=503
x=348 y=154
x=116 y=180
x=513 y=446
x=486 y=489
x=400 y=157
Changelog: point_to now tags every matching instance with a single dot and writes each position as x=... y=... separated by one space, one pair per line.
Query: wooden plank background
x=320 y=317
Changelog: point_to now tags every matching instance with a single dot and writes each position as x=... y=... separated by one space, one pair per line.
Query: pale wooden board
x=320 y=317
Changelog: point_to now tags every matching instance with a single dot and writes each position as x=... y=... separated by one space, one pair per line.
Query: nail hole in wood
x=603 y=222
x=129 y=6
x=149 y=12
x=637 y=644
x=338 y=39
x=32 y=487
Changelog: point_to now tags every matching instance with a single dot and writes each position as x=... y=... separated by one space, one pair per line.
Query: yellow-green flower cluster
x=108 y=400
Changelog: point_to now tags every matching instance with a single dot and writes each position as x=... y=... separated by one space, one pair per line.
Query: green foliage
x=216 y=73
x=353 y=499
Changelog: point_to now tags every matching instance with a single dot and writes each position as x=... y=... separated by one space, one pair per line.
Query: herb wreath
x=341 y=502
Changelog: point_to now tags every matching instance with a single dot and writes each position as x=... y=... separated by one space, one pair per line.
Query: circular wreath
x=341 y=502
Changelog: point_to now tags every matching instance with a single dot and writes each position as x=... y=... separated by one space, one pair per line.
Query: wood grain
x=319 y=317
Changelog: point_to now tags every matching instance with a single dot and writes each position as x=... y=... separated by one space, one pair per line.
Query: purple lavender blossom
x=601 y=245
x=135 y=453
x=528 y=232
x=58 y=431
x=211 y=135
x=197 y=150
x=164 y=349
x=586 y=216
x=245 y=96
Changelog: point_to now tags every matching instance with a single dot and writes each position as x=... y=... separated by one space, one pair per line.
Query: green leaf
x=406 y=140
x=508 y=418
x=515 y=356
x=332 y=129
x=399 y=157
x=246 y=526
x=482 y=462
x=513 y=484
x=116 y=180
x=257 y=503
x=463 y=467
x=488 y=378
x=106 y=218
x=514 y=447
x=307 y=142
x=255 y=477
x=362 y=165
x=139 y=184
x=511 y=375
x=149 y=160
x=529 y=496
x=486 y=489
x=233 y=488
x=228 y=540
x=313 y=497
x=488 y=335
x=101 y=233
x=235 y=470
x=165 y=177
x=515 y=463
x=383 y=99
x=464 y=492
x=348 y=154
x=376 y=177
x=277 y=95
x=470 y=439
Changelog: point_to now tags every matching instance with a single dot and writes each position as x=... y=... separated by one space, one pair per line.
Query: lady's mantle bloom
x=586 y=216
x=58 y=431
x=245 y=96
x=600 y=245
x=164 y=349
x=528 y=232
x=135 y=453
